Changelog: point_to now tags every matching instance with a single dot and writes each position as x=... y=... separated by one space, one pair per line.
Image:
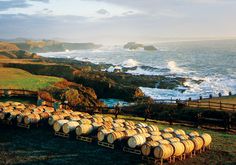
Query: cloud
x=43 y=1
x=103 y=12
x=5 y=5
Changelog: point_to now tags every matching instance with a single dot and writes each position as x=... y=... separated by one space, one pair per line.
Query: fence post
x=220 y=106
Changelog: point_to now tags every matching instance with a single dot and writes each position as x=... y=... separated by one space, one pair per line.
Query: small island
x=135 y=46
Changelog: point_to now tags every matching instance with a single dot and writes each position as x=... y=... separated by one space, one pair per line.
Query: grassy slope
x=226 y=99
x=223 y=148
x=19 y=79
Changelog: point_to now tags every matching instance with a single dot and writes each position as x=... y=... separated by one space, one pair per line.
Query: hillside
x=53 y=46
x=19 y=79
x=12 y=51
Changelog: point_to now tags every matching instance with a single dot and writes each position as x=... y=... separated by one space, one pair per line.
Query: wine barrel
x=58 y=124
x=116 y=135
x=168 y=130
x=129 y=123
x=74 y=118
x=119 y=129
x=69 y=126
x=152 y=128
x=96 y=125
x=45 y=115
x=130 y=126
x=163 y=151
x=178 y=148
x=75 y=113
x=130 y=132
x=140 y=124
x=179 y=132
x=174 y=139
x=166 y=135
x=154 y=138
x=163 y=141
x=85 y=121
x=193 y=134
x=136 y=140
x=97 y=119
x=189 y=146
x=183 y=137
x=31 y=118
x=84 y=129
x=206 y=138
x=156 y=133
x=147 y=148
x=119 y=121
x=117 y=125
x=198 y=143
x=141 y=130
x=14 y=114
x=48 y=109
x=21 y=116
x=108 y=118
x=103 y=133
x=55 y=118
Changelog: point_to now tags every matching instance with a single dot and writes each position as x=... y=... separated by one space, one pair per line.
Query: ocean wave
x=130 y=63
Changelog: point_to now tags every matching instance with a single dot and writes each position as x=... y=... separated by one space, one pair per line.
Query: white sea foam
x=130 y=63
x=174 y=68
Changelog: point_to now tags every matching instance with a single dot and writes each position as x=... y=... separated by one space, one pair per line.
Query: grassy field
x=225 y=99
x=19 y=79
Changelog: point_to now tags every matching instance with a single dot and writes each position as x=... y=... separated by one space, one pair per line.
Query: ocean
x=209 y=66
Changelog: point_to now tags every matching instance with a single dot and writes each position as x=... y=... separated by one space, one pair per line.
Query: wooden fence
x=212 y=105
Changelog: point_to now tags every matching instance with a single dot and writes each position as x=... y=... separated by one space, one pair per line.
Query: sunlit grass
x=11 y=78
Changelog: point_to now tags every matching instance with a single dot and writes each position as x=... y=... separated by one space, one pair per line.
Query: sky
x=117 y=21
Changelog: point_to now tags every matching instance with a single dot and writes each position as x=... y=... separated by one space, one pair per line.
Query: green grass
x=11 y=78
x=225 y=99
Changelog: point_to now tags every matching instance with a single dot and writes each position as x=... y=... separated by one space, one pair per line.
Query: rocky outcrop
x=135 y=46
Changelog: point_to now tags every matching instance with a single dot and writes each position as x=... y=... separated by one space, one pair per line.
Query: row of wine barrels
x=130 y=126
x=137 y=140
x=183 y=137
x=103 y=133
x=69 y=126
x=58 y=125
x=21 y=116
x=85 y=121
x=173 y=139
x=164 y=141
x=55 y=118
x=129 y=123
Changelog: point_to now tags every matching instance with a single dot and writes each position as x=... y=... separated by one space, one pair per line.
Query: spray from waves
x=174 y=68
x=130 y=63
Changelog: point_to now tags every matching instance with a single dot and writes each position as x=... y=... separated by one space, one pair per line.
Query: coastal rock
x=135 y=46
x=150 y=48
